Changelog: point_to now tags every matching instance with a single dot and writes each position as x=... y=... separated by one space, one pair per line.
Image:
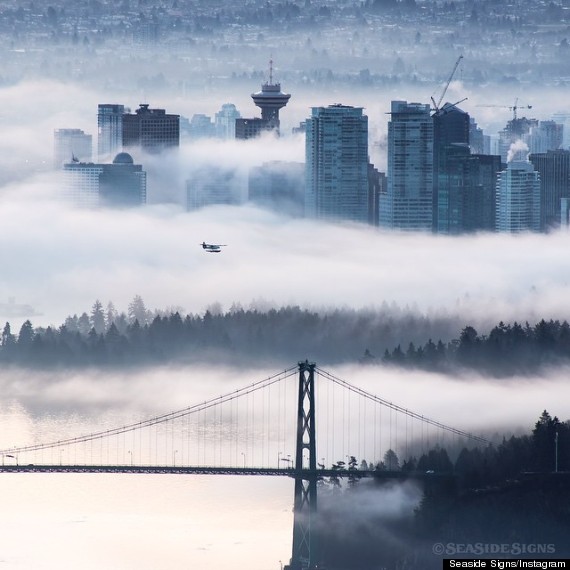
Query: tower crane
x=512 y=108
x=436 y=105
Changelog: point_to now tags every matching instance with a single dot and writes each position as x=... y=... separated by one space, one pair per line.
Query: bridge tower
x=305 y=555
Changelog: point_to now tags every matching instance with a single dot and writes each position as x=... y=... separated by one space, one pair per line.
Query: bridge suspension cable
x=196 y=408
x=354 y=389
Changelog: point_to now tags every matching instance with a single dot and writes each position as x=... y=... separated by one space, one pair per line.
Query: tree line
x=513 y=493
x=508 y=349
x=139 y=336
x=545 y=450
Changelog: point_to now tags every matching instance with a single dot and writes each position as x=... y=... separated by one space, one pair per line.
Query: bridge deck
x=195 y=470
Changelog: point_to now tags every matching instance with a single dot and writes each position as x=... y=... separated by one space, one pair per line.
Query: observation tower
x=270 y=99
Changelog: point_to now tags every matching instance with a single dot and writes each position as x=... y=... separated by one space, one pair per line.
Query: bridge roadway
x=195 y=470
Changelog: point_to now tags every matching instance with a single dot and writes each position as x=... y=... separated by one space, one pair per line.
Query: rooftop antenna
x=270 y=70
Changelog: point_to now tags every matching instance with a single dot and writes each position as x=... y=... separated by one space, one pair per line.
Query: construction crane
x=436 y=105
x=512 y=108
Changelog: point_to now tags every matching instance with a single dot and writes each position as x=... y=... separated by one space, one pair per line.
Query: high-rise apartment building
x=479 y=142
x=547 y=135
x=376 y=190
x=451 y=150
x=118 y=185
x=563 y=118
x=408 y=203
x=151 y=130
x=554 y=169
x=225 y=121
x=201 y=127
x=110 y=130
x=71 y=145
x=336 y=167
x=480 y=192
x=518 y=198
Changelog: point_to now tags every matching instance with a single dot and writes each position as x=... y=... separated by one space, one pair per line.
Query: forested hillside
x=506 y=350
x=275 y=335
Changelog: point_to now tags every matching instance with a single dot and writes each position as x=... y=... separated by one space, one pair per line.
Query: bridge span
x=249 y=432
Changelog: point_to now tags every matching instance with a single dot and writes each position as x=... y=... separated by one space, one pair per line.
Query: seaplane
x=212 y=247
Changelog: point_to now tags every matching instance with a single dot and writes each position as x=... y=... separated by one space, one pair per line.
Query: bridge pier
x=305 y=552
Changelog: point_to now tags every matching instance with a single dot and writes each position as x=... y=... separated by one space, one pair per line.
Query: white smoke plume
x=518 y=151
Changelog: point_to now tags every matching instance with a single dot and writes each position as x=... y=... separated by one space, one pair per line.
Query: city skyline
x=452 y=200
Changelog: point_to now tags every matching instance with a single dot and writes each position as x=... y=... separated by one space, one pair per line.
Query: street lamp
x=279 y=459
x=131 y=454
x=243 y=454
x=174 y=457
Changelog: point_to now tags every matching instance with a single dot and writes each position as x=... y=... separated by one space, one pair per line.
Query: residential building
x=110 y=130
x=518 y=198
x=71 y=145
x=201 y=127
x=151 y=130
x=117 y=185
x=547 y=135
x=480 y=191
x=225 y=121
x=336 y=170
x=554 y=169
x=408 y=204
x=451 y=150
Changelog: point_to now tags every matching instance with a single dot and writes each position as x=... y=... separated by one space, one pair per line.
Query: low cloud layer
x=59 y=259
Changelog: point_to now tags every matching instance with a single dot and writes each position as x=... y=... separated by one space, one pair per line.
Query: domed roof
x=123 y=158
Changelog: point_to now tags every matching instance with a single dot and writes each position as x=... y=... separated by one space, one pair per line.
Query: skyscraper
x=408 y=203
x=201 y=127
x=225 y=121
x=110 y=129
x=518 y=198
x=563 y=118
x=548 y=135
x=151 y=130
x=336 y=167
x=120 y=184
x=450 y=153
x=480 y=192
x=71 y=144
x=554 y=169
x=123 y=183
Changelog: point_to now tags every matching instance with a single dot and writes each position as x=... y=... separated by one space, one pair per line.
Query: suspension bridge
x=267 y=428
